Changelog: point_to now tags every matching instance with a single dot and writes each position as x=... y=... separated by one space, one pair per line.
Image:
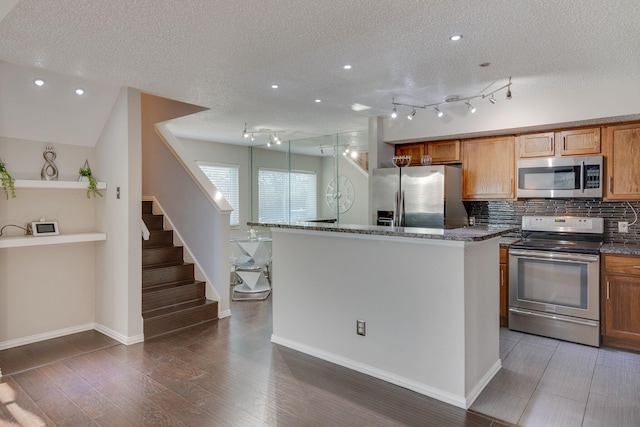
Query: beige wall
x=46 y=290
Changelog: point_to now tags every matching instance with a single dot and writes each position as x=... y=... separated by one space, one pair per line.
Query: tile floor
x=546 y=382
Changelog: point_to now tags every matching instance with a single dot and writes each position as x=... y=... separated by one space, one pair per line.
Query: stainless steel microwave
x=560 y=177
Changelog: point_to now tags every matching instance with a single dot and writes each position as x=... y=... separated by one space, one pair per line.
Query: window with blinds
x=286 y=195
x=225 y=178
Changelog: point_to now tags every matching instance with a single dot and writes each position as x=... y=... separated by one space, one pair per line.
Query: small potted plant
x=7 y=182
x=92 y=189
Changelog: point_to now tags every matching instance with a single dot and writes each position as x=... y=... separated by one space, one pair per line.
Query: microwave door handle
x=582 y=177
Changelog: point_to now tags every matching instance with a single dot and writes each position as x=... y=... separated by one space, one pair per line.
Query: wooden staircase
x=171 y=297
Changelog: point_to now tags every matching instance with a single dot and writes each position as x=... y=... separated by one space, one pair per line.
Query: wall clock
x=340 y=194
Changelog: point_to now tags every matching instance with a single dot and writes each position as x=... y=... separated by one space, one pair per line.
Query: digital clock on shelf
x=45 y=228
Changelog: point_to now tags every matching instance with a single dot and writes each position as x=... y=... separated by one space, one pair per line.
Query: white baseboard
x=123 y=339
x=473 y=395
x=441 y=395
x=224 y=313
x=73 y=330
x=45 y=336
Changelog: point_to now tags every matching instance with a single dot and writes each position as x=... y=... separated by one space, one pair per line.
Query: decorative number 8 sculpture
x=49 y=170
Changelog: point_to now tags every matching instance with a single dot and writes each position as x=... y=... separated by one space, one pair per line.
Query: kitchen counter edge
x=620 y=249
x=465 y=234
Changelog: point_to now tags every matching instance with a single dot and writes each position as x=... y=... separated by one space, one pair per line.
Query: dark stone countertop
x=620 y=249
x=464 y=234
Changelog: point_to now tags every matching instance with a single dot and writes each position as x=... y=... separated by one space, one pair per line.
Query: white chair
x=250 y=267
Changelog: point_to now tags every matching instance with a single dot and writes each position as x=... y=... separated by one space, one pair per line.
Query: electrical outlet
x=623 y=227
x=361 y=327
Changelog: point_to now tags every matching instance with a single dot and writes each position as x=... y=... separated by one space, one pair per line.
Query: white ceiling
x=225 y=55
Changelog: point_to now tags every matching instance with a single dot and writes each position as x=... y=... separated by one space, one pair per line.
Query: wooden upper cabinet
x=578 y=142
x=621 y=148
x=536 y=145
x=415 y=150
x=488 y=168
x=443 y=151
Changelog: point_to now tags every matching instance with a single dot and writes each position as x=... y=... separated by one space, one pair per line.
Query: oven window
x=553 y=282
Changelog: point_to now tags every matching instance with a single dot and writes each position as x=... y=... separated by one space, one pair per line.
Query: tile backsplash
x=511 y=212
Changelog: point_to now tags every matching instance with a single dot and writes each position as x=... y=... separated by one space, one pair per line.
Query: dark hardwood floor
x=225 y=373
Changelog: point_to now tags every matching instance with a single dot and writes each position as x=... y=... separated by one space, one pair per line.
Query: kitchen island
x=428 y=299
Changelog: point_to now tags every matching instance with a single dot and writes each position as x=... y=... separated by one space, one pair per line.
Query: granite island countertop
x=465 y=234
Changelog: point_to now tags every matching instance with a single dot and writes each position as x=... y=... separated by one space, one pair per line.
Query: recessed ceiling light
x=318 y=100
x=347 y=67
x=38 y=82
x=455 y=37
x=79 y=91
x=359 y=107
x=274 y=86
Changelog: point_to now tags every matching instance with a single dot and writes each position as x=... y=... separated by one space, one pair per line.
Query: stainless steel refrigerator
x=419 y=196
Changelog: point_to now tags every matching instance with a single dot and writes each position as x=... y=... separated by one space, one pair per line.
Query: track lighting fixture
x=245 y=134
x=252 y=138
x=452 y=100
x=470 y=107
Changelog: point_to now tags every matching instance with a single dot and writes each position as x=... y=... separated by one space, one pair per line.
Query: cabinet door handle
x=636 y=266
x=511 y=186
x=610 y=184
x=501 y=278
x=607 y=289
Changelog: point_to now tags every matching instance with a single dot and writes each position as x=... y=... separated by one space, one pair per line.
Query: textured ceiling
x=224 y=55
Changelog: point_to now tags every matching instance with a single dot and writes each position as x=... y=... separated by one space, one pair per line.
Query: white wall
x=214 y=152
x=119 y=273
x=429 y=307
x=611 y=99
x=46 y=291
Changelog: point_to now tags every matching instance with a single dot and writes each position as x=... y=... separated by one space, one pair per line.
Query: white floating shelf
x=69 y=185
x=23 y=241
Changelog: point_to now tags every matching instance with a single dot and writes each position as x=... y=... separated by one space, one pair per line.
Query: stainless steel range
x=554 y=278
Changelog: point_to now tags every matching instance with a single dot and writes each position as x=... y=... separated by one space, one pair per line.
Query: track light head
x=394 y=113
x=245 y=134
x=438 y=112
x=509 y=89
x=252 y=138
x=470 y=107
x=412 y=115
x=492 y=99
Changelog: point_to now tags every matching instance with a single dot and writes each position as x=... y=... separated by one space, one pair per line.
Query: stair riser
x=162 y=255
x=174 y=273
x=147 y=207
x=154 y=222
x=158 y=238
x=171 y=296
x=193 y=316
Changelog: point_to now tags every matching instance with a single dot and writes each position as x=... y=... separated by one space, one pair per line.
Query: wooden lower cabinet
x=621 y=301
x=504 y=286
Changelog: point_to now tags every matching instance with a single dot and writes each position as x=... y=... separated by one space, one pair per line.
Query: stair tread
x=165 y=265
x=169 y=285
x=176 y=308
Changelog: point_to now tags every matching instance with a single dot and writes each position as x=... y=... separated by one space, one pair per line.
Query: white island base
x=430 y=307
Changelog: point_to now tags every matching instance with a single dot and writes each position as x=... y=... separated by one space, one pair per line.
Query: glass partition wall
x=315 y=179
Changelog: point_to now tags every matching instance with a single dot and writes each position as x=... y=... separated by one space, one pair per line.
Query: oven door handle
x=569 y=257
x=551 y=316
x=583 y=178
